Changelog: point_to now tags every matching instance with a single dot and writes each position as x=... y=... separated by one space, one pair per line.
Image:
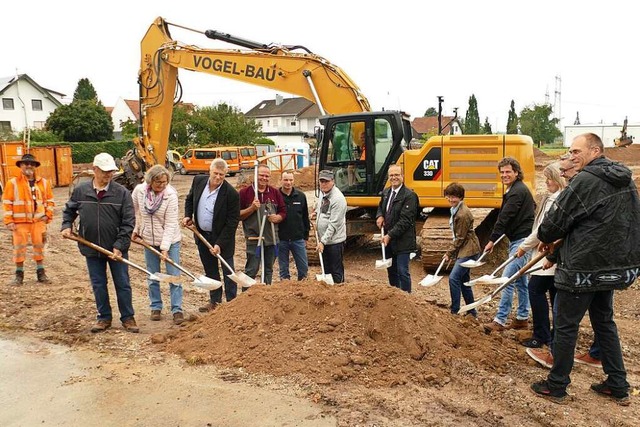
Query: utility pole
x=557 y=100
x=440 y=100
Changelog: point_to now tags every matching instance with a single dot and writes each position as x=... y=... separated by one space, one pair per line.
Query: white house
x=608 y=133
x=25 y=104
x=286 y=120
x=124 y=110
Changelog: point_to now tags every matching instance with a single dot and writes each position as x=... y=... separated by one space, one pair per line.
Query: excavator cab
x=359 y=148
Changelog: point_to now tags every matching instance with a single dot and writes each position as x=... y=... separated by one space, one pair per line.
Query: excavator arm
x=275 y=67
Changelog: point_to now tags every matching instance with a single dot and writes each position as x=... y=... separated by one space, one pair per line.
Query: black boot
x=19 y=279
x=42 y=277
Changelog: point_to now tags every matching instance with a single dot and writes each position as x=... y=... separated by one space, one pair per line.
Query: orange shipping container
x=46 y=157
x=64 y=165
x=10 y=153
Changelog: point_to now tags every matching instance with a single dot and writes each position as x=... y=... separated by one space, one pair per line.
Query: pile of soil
x=627 y=155
x=303 y=179
x=376 y=336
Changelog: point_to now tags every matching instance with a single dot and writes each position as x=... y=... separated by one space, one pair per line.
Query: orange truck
x=198 y=160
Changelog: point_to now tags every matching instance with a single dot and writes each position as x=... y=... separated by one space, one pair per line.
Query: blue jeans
x=175 y=290
x=570 y=309
x=253 y=262
x=458 y=276
x=538 y=288
x=212 y=271
x=398 y=273
x=97 y=267
x=298 y=249
x=506 y=299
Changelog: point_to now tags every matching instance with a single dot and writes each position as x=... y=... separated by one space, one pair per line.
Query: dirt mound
x=541 y=157
x=629 y=155
x=372 y=335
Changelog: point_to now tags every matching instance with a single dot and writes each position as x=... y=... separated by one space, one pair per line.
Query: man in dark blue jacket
x=107 y=219
x=293 y=231
x=597 y=215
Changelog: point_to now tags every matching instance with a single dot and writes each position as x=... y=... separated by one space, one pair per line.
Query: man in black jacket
x=107 y=219
x=213 y=205
x=597 y=215
x=397 y=212
x=515 y=220
x=293 y=231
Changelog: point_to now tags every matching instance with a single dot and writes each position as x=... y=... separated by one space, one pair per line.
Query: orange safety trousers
x=26 y=233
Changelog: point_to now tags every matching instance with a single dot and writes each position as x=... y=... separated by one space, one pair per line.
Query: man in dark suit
x=213 y=205
x=397 y=213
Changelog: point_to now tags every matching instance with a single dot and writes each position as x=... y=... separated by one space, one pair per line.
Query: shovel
x=203 y=282
x=384 y=262
x=524 y=270
x=240 y=278
x=195 y=231
x=489 y=279
x=327 y=278
x=432 y=279
x=160 y=277
x=477 y=263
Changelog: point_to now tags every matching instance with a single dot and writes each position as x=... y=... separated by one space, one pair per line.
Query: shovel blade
x=327 y=278
x=207 y=283
x=242 y=279
x=383 y=263
x=480 y=280
x=430 y=280
x=469 y=307
x=493 y=281
x=472 y=264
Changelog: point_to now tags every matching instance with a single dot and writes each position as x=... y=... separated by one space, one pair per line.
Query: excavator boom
x=274 y=67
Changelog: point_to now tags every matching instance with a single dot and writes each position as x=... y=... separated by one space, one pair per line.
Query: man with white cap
x=107 y=219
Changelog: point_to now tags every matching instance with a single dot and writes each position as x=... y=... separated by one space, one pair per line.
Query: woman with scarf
x=156 y=206
x=465 y=246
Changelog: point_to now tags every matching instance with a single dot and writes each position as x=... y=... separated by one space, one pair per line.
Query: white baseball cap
x=105 y=162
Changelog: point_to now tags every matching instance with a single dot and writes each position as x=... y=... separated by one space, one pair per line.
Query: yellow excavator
x=624 y=139
x=354 y=142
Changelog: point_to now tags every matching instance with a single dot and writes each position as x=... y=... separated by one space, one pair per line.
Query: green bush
x=84 y=152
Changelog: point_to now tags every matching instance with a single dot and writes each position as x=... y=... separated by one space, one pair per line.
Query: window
x=5 y=126
x=7 y=104
x=293 y=123
x=36 y=104
x=275 y=123
x=38 y=125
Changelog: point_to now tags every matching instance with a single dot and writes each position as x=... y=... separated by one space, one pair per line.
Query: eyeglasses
x=566 y=169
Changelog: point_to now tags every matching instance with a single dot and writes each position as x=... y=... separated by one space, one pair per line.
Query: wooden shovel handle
x=94 y=246
x=199 y=236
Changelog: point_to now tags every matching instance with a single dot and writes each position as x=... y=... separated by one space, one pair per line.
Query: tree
x=85 y=91
x=486 y=128
x=535 y=121
x=431 y=112
x=81 y=121
x=223 y=125
x=181 y=133
x=128 y=129
x=472 y=118
x=512 y=120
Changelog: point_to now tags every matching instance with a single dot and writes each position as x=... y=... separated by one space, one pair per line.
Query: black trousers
x=212 y=270
x=332 y=257
x=571 y=308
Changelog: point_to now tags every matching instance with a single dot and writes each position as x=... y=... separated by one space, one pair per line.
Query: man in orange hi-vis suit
x=28 y=208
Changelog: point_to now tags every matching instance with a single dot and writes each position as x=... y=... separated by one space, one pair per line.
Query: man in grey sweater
x=330 y=214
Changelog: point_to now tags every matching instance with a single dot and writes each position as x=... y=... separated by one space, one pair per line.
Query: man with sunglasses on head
x=28 y=208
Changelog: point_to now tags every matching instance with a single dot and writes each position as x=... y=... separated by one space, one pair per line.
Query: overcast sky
x=401 y=54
